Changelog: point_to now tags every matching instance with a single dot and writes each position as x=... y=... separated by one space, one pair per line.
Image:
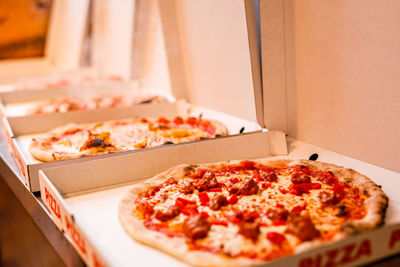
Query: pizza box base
x=93 y=206
x=22 y=129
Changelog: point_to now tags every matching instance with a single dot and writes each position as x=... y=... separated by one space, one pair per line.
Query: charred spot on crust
x=241 y=130
x=365 y=192
x=97 y=142
x=158 y=126
x=348 y=179
x=147 y=101
x=217 y=135
x=342 y=211
x=190 y=169
x=168 y=143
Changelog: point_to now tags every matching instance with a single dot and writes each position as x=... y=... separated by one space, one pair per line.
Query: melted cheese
x=226 y=238
x=129 y=135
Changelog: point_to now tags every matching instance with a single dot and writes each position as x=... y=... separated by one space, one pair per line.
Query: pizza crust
x=376 y=203
x=38 y=147
x=376 y=206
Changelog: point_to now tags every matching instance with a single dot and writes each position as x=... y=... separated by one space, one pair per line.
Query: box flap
x=210 y=61
x=221 y=60
x=273 y=64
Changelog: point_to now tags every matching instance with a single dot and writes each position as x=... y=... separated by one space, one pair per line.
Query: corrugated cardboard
x=338 y=64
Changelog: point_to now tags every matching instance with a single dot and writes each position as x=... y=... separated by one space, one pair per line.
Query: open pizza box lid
x=212 y=99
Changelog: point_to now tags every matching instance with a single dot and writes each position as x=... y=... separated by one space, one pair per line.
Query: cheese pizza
x=81 y=140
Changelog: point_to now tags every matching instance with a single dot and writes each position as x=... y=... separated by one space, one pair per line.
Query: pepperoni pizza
x=250 y=212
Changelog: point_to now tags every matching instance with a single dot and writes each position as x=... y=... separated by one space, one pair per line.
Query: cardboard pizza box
x=83 y=201
x=22 y=129
x=237 y=119
x=17 y=103
x=276 y=110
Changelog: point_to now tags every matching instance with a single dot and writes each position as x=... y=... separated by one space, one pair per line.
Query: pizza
x=73 y=103
x=88 y=139
x=250 y=212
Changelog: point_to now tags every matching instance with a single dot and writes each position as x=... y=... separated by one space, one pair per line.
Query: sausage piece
x=168 y=214
x=196 y=227
x=145 y=208
x=250 y=230
x=208 y=181
x=248 y=187
x=327 y=198
x=300 y=178
x=187 y=187
x=302 y=227
x=277 y=214
x=269 y=177
x=217 y=202
x=234 y=189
